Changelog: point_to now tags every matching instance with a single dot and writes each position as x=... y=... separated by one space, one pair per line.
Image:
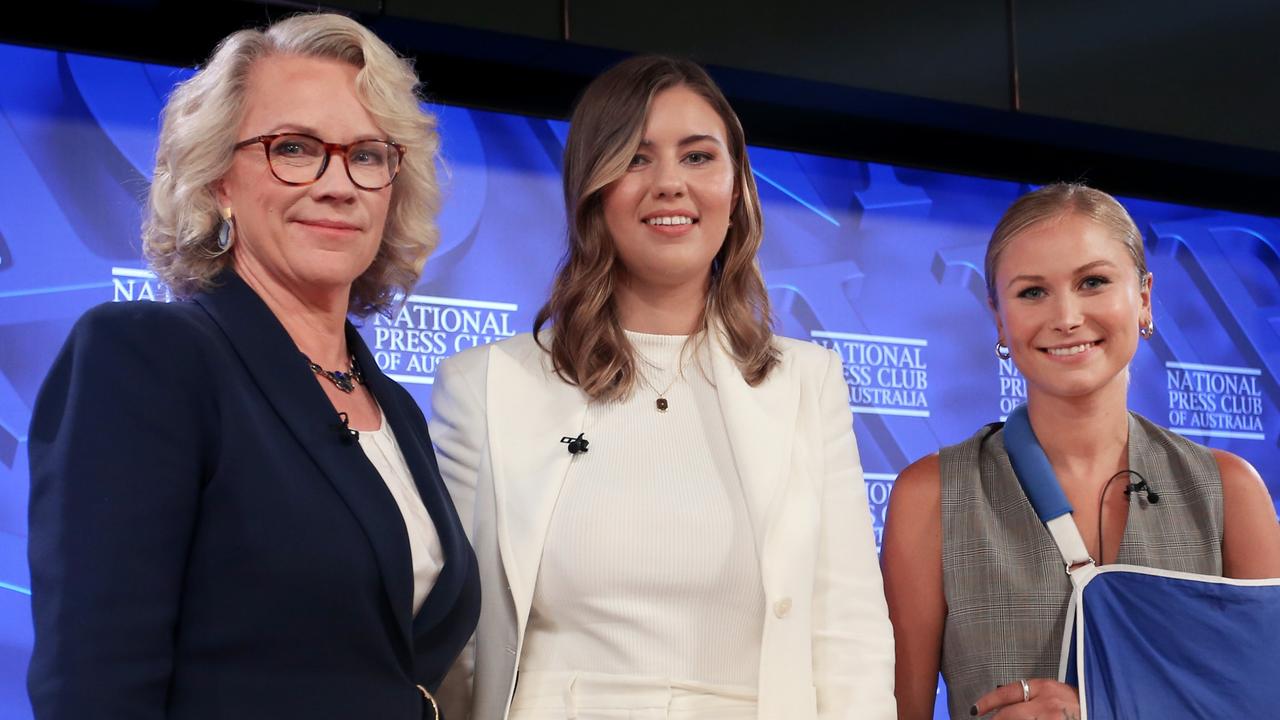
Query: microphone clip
x=349 y=434
x=1142 y=487
x=576 y=444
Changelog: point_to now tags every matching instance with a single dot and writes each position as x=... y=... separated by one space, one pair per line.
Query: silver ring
x=1026 y=691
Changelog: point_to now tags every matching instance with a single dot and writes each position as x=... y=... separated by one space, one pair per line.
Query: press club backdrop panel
x=879 y=262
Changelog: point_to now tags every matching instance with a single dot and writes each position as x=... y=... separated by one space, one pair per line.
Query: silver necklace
x=346 y=381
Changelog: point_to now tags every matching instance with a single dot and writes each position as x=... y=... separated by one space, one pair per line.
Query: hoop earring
x=1148 y=331
x=1002 y=350
x=226 y=231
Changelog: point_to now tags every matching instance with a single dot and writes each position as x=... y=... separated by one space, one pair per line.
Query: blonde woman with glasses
x=234 y=513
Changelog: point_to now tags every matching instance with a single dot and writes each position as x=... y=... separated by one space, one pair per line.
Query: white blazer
x=827 y=649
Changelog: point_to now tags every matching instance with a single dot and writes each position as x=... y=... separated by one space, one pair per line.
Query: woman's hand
x=1039 y=699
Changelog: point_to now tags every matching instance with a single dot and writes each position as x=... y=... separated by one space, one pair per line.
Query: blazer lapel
x=280 y=370
x=760 y=422
x=407 y=425
x=529 y=409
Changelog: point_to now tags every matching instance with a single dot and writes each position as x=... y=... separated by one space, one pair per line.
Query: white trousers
x=553 y=695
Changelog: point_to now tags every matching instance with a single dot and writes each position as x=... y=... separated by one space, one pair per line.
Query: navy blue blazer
x=205 y=541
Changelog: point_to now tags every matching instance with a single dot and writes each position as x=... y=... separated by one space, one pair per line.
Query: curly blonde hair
x=198 y=130
x=588 y=347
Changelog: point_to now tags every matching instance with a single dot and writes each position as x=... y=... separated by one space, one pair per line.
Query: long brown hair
x=588 y=347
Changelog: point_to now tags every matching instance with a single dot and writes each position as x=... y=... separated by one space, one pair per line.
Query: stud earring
x=1148 y=331
x=1002 y=350
x=226 y=236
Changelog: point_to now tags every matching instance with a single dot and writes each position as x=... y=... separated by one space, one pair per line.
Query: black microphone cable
x=1141 y=486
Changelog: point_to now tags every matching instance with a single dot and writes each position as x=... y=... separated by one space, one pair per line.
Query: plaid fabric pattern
x=1005 y=587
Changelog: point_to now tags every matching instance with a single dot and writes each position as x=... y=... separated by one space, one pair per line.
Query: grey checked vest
x=1004 y=582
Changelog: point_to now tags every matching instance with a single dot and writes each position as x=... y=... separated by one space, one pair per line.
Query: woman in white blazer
x=664 y=497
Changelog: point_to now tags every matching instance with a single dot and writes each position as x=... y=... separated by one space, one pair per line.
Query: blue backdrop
x=880 y=262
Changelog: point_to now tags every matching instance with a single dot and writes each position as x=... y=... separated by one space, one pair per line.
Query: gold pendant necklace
x=661 y=403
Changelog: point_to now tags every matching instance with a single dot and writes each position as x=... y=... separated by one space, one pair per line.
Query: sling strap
x=1041 y=487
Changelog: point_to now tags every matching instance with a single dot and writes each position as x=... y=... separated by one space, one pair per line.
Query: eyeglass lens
x=371 y=164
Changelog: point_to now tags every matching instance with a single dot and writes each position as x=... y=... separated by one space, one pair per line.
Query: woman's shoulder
x=985 y=438
x=127 y=344
x=1195 y=467
x=135 y=311
x=1238 y=473
x=802 y=351
x=1167 y=440
x=517 y=346
x=922 y=476
x=472 y=364
x=802 y=359
x=1233 y=472
x=170 y=328
x=958 y=467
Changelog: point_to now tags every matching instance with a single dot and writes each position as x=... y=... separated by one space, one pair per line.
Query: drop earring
x=226 y=236
x=1002 y=350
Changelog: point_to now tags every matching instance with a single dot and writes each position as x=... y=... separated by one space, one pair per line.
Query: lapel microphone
x=1141 y=487
x=349 y=435
x=576 y=445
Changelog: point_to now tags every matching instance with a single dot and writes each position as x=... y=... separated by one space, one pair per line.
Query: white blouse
x=650 y=565
x=383 y=451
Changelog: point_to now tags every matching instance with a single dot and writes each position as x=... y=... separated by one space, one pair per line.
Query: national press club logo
x=886 y=375
x=879 y=486
x=129 y=284
x=1217 y=401
x=1013 y=387
x=1214 y=401
x=410 y=344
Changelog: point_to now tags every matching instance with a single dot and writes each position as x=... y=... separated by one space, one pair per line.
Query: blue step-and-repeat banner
x=881 y=263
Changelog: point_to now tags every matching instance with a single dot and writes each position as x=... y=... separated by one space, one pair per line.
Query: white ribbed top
x=650 y=565
x=383 y=451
